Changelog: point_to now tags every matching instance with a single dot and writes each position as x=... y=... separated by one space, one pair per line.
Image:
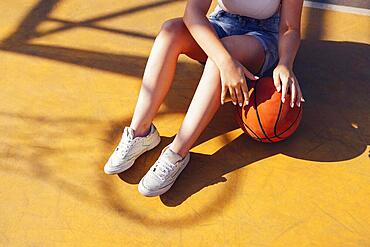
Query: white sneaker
x=163 y=173
x=130 y=148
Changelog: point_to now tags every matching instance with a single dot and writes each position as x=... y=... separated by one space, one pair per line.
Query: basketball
x=266 y=118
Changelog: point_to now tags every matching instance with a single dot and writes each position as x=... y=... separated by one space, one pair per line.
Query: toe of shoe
x=108 y=169
x=143 y=190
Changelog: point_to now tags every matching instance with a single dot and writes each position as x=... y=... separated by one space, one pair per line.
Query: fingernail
x=299 y=104
x=283 y=100
x=292 y=104
x=256 y=77
x=247 y=102
x=234 y=103
x=303 y=100
x=240 y=104
x=278 y=89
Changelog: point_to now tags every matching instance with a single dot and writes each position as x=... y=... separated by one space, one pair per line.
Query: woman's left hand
x=284 y=79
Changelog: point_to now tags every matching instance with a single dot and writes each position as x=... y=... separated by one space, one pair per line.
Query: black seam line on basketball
x=299 y=113
x=253 y=132
x=277 y=120
x=271 y=137
x=258 y=117
x=241 y=120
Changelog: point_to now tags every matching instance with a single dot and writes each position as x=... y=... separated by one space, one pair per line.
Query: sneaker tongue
x=129 y=132
x=171 y=156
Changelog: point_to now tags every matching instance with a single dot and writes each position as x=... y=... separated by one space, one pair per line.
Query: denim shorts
x=265 y=30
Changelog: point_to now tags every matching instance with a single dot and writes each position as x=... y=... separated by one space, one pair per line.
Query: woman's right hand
x=233 y=80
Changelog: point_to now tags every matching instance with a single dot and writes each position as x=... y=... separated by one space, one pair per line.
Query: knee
x=173 y=27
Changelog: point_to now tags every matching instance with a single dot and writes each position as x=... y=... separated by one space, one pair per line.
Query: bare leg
x=173 y=39
x=207 y=97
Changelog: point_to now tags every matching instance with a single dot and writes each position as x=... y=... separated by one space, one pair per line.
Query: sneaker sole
x=125 y=167
x=148 y=193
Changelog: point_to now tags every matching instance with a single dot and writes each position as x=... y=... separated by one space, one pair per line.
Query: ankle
x=141 y=132
x=180 y=151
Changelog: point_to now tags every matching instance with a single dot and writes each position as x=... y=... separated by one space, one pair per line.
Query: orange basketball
x=266 y=118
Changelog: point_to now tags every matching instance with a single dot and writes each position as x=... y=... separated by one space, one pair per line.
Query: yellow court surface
x=70 y=76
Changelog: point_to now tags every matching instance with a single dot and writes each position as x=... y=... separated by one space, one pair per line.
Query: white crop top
x=258 y=9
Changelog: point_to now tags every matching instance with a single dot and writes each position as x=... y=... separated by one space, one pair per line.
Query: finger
x=284 y=88
x=232 y=95
x=223 y=94
x=299 y=97
x=293 y=95
x=239 y=96
x=277 y=81
x=248 y=74
x=299 y=93
x=245 y=92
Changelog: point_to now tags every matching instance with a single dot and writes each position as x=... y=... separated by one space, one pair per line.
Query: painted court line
x=339 y=8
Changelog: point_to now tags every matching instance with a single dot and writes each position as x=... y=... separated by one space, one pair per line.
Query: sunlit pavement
x=70 y=76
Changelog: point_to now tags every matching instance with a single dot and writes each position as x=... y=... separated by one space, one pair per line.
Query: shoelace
x=163 y=169
x=124 y=146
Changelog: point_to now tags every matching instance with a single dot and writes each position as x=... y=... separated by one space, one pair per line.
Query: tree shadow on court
x=31 y=144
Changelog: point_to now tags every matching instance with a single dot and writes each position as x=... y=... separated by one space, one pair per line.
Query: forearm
x=203 y=33
x=289 y=42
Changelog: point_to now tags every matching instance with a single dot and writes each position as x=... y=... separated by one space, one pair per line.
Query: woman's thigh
x=247 y=49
